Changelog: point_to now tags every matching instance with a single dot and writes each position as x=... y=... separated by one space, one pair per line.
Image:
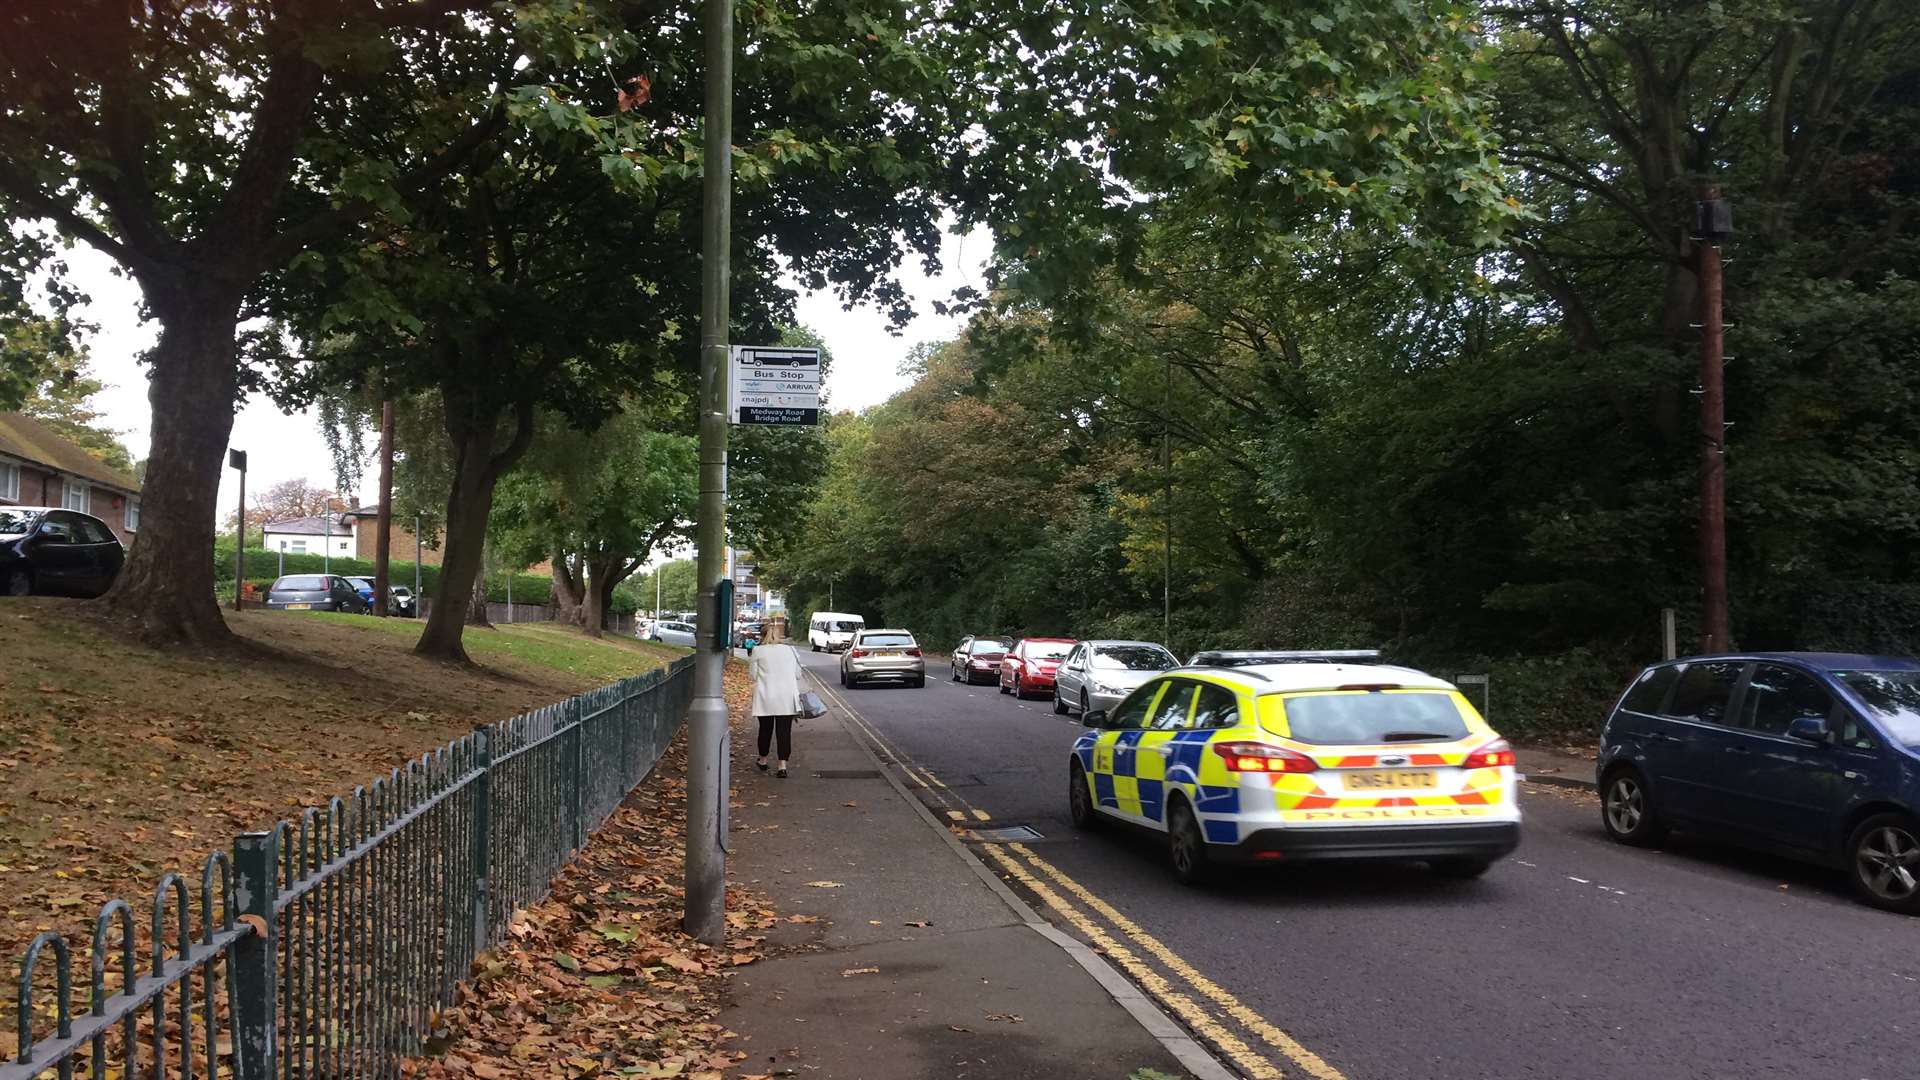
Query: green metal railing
x=327 y=946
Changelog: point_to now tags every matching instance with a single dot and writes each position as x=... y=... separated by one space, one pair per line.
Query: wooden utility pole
x=1713 y=224
x=383 y=530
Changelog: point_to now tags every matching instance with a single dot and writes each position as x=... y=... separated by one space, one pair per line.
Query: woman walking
x=776 y=699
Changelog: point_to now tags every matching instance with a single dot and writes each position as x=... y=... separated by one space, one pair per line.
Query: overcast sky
x=279 y=446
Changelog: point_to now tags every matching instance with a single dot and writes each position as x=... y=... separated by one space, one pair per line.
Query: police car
x=1282 y=757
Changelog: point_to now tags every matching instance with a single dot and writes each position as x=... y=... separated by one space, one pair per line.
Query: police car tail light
x=1259 y=757
x=1494 y=753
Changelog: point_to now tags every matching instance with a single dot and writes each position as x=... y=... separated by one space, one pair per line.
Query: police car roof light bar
x=1239 y=657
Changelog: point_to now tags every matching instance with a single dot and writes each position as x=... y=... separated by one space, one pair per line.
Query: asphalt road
x=1573 y=958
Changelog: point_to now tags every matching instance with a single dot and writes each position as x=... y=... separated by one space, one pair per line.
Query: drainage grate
x=846 y=774
x=1012 y=834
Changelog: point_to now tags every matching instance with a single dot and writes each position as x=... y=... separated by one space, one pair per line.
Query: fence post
x=626 y=725
x=255 y=959
x=579 y=769
x=483 y=840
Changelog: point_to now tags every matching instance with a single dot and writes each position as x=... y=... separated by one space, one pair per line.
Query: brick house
x=39 y=467
x=365 y=521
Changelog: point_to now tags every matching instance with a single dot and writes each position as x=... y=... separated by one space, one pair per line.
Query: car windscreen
x=886 y=639
x=1351 y=718
x=1049 y=650
x=1893 y=697
x=844 y=626
x=300 y=584
x=1133 y=658
x=991 y=646
x=17 y=522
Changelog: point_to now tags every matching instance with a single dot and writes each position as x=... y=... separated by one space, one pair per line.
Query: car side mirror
x=1094 y=718
x=1811 y=729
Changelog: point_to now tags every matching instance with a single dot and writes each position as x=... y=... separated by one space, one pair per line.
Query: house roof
x=314 y=525
x=23 y=437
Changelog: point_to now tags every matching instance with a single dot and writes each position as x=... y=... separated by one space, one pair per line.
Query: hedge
x=264 y=565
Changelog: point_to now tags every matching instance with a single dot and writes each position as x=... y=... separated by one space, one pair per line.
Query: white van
x=833 y=631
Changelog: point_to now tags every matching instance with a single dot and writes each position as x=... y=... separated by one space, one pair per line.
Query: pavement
x=1575 y=959
x=1557 y=768
x=898 y=955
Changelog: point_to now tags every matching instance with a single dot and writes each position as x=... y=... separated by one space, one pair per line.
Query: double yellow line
x=1214 y=1017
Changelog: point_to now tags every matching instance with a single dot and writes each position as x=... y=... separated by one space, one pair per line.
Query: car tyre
x=1003 y=688
x=1883 y=858
x=1627 y=811
x=1186 y=846
x=1080 y=800
x=920 y=683
x=1462 y=868
x=19 y=583
x=1084 y=707
x=956 y=674
x=1059 y=707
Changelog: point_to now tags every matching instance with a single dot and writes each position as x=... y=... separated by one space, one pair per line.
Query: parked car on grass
x=977 y=659
x=314 y=592
x=671 y=632
x=49 y=551
x=882 y=656
x=1029 y=666
x=1811 y=755
x=1097 y=674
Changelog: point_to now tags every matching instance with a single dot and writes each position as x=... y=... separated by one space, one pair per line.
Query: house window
x=9 y=481
x=76 y=498
x=298 y=547
x=133 y=515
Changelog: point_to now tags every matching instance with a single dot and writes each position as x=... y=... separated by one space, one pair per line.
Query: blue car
x=1811 y=755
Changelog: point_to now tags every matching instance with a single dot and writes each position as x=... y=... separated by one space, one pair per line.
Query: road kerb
x=1576 y=783
x=1192 y=1056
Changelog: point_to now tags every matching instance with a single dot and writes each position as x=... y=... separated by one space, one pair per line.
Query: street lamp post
x=706 y=869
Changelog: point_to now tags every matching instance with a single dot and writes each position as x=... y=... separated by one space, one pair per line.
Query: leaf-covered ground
x=599 y=979
x=118 y=763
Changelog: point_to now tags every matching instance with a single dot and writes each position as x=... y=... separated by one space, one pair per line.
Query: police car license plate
x=299 y=607
x=1390 y=779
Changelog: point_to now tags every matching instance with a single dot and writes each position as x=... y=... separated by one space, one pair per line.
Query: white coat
x=776 y=681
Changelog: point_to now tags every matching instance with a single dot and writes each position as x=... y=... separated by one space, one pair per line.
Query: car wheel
x=1084 y=707
x=1884 y=854
x=19 y=583
x=1059 y=707
x=1080 y=800
x=1626 y=810
x=1003 y=687
x=843 y=676
x=956 y=674
x=920 y=683
x=1459 y=869
x=1186 y=847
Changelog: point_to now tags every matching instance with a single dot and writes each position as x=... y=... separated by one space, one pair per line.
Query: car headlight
x=1102 y=688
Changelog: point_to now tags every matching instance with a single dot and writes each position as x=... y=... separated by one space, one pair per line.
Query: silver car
x=1097 y=674
x=671 y=632
x=882 y=656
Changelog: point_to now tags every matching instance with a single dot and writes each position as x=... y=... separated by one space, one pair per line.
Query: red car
x=1029 y=667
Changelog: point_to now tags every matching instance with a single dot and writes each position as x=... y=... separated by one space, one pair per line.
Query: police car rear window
x=1339 y=719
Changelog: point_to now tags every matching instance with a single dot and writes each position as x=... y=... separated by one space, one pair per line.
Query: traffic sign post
x=1486 y=692
x=774 y=385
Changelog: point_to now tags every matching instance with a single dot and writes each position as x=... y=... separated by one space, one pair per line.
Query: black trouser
x=782 y=724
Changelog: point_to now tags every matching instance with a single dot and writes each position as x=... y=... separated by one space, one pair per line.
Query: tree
x=201 y=148
x=285 y=500
x=58 y=391
x=598 y=505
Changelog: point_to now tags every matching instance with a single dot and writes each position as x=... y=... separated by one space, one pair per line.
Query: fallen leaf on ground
x=827 y=884
x=1011 y=1018
x=919 y=922
x=864 y=971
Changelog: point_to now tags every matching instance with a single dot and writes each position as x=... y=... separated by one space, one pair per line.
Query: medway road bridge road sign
x=774 y=385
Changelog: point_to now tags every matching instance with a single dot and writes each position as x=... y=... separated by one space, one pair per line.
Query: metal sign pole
x=706 y=871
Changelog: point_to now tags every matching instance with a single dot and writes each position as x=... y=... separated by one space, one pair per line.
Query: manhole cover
x=1013 y=834
x=846 y=774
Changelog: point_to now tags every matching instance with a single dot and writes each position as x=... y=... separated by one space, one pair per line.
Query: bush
x=263 y=566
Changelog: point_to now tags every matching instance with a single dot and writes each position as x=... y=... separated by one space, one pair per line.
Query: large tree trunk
x=594 y=614
x=474 y=430
x=165 y=593
x=569 y=594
